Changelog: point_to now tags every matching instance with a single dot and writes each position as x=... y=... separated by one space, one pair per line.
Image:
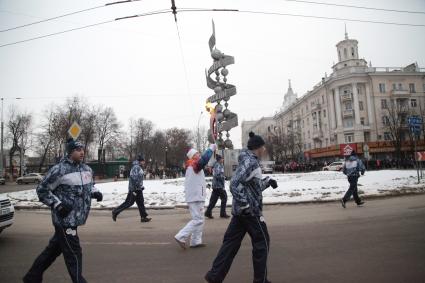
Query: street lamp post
x=198 y=134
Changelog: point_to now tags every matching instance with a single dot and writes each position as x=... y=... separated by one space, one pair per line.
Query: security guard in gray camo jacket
x=246 y=186
x=67 y=189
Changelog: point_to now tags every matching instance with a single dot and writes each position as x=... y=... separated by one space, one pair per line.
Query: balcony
x=348 y=113
x=400 y=92
x=317 y=134
x=346 y=97
x=315 y=107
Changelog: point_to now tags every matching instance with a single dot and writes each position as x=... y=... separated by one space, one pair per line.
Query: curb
x=397 y=193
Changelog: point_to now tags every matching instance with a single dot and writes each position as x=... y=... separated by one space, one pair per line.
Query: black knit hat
x=353 y=153
x=255 y=141
x=72 y=145
x=140 y=158
x=218 y=157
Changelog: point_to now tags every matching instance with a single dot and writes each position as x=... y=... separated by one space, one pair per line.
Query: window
x=305 y=146
x=394 y=87
x=306 y=107
x=324 y=113
x=423 y=87
x=412 y=88
x=382 y=88
x=366 y=136
x=385 y=120
x=309 y=145
x=308 y=121
x=352 y=52
x=349 y=138
x=361 y=105
x=384 y=104
x=400 y=86
x=348 y=123
x=348 y=106
x=308 y=133
x=362 y=121
x=387 y=136
x=413 y=103
x=339 y=55
x=323 y=99
x=302 y=124
x=345 y=53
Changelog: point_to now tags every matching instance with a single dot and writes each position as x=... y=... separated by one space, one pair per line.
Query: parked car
x=7 y=213
x=2 y=181
x=334 y=166
x=266 y=169
x=30 y=178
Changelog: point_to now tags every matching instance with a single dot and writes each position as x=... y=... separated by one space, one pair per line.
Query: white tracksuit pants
x=194 y=227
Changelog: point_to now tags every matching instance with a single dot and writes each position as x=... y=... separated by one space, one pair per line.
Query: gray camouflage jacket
x=218 y=176
x=135 y=182
x=70 y=183
x=353 y=167
x=247 y=185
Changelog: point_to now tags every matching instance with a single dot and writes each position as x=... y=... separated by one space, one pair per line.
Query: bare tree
x=19 y=133
x=45 y=138
x=199 y=138
x=178 y=142
x=396 y=123
x=107 y=129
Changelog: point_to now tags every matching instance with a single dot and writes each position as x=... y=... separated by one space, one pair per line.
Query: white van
x=7 y=213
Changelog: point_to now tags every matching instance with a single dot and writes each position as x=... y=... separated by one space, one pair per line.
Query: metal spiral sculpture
x=222 y=119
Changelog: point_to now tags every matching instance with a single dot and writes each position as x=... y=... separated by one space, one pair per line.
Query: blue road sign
x=415 y=124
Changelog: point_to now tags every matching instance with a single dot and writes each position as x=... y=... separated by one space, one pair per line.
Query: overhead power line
x=217 y=10
x=357 y=7
x=69 y=14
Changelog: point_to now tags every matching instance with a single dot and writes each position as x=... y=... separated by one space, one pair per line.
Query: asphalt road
x=384 y=241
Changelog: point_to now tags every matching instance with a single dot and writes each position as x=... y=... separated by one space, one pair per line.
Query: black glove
x=273 y=183
x=362 y=173
x=63 y=210
x=97 y=195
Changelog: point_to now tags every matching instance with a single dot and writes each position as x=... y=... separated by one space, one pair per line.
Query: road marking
x=128 y=243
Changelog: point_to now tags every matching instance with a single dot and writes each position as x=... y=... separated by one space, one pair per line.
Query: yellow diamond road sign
x=75 y=130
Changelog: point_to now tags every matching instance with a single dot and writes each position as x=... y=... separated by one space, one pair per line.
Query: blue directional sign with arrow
x=415 y=124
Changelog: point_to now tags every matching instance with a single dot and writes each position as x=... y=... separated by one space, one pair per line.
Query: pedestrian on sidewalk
x=218 y=189
x=195 y=193
x=67 y=189
x=246 y=187
x=353 y=166
x=135 y=191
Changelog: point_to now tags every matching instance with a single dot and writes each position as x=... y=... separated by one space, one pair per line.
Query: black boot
x=114 y=216
x=343 y=203
x=145 y=219
x=209 y=215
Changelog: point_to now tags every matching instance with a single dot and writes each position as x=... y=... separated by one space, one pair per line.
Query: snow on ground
x=293 y=188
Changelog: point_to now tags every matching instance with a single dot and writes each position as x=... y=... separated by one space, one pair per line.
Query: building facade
x=354 y=105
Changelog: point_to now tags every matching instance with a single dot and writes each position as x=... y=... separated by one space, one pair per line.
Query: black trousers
x=132 y=197
x=238 y=227
x=65 y=241
x=352 y=190
x=216 y=194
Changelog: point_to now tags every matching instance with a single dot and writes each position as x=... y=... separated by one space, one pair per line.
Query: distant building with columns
x=350 y=106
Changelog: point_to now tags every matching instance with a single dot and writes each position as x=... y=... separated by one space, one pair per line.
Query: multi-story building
x=263 y=127
x=353 y=105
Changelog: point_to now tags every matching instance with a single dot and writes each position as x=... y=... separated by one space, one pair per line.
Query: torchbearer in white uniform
x=195 y=193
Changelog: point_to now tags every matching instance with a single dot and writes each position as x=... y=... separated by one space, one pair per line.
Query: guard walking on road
x=67 y=189
x=246 y=187
x=353 y=166
x=218 y=189
x=135 y=191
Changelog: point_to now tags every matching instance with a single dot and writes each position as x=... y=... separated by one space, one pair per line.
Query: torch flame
x=209 y=107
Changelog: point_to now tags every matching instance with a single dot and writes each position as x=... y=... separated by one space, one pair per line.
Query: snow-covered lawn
x=293 y=188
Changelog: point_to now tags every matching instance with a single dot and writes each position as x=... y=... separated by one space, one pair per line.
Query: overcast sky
x=136 y=65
